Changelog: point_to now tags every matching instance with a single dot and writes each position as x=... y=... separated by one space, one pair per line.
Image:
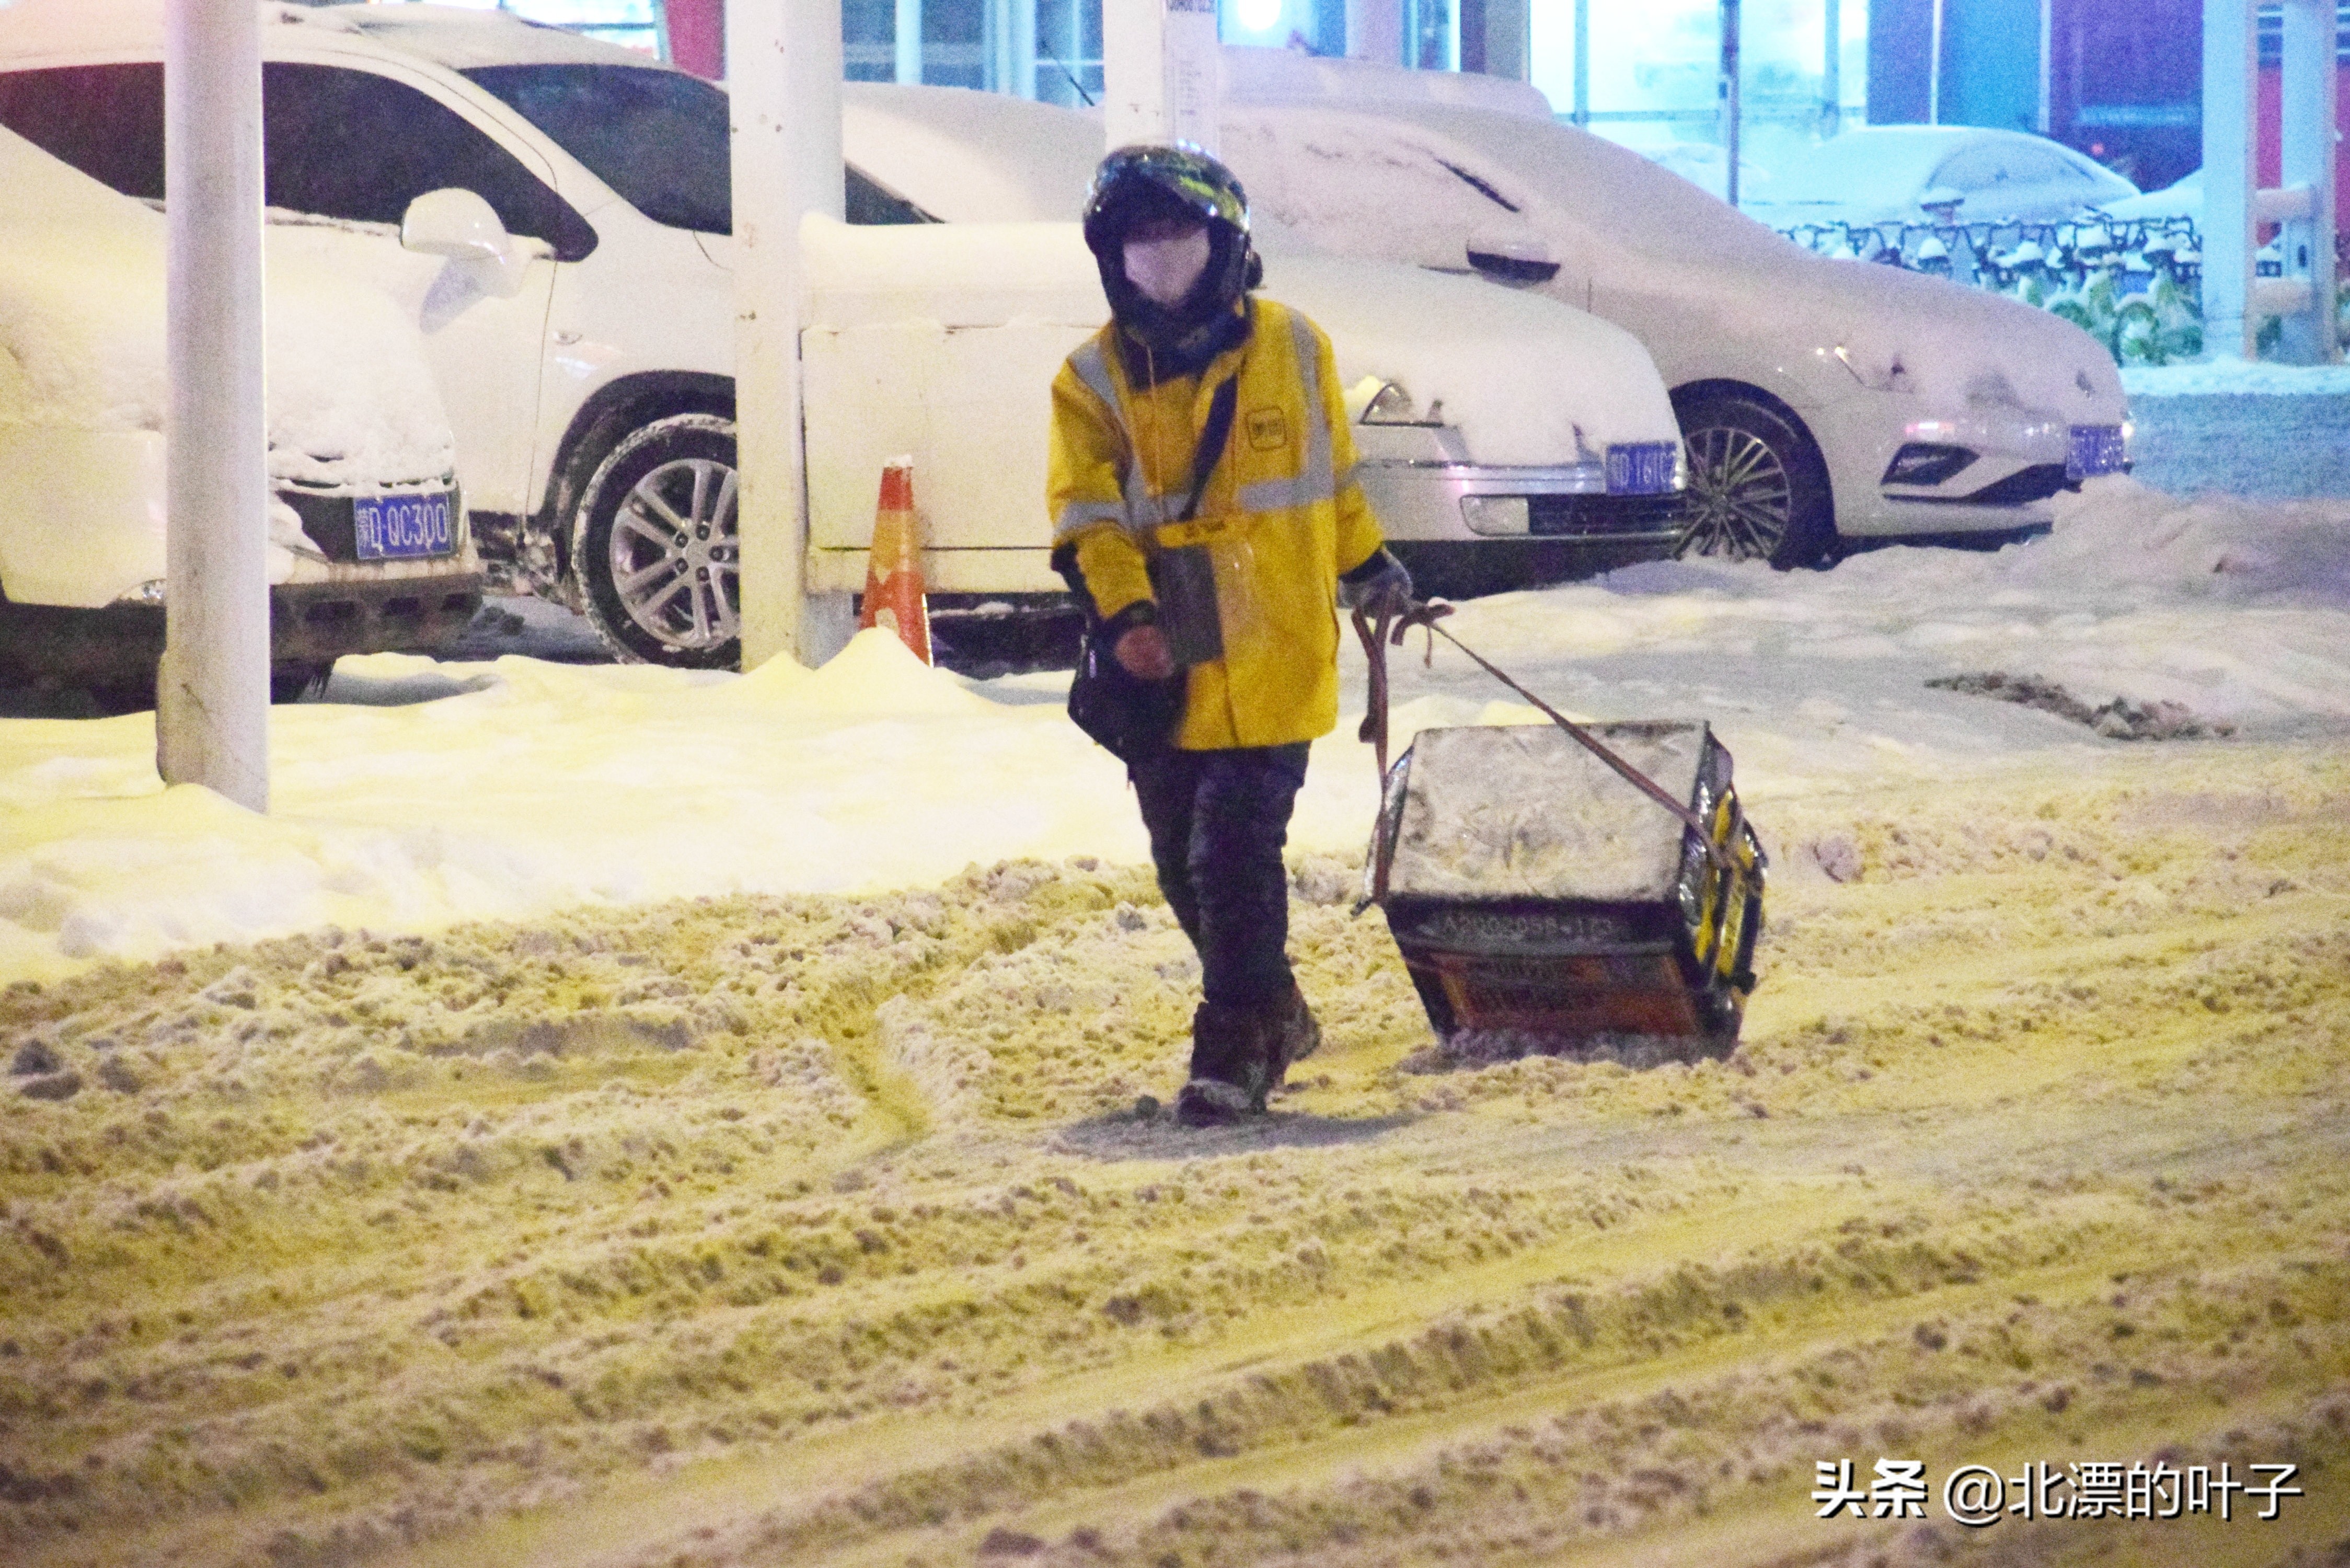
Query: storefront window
x=1650 y=74
x=632 y=23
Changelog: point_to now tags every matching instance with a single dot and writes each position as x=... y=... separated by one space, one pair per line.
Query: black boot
x=1232 y=1065
x=1296 y=1034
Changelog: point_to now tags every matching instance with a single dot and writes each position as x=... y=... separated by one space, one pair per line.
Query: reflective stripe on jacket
x=1281 y=516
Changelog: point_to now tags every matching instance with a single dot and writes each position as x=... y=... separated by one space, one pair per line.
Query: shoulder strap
x=1204 y=456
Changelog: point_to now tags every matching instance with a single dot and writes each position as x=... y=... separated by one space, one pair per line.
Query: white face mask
x=1165 y=270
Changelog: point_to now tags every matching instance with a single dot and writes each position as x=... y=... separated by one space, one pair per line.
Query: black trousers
x=1218 y=820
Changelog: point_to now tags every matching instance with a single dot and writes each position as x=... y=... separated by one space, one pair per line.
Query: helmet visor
x=1196 y=181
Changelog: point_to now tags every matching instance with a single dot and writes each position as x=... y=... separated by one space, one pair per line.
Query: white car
x=2183 y=201
x=553 y=212
x=1486 y=469
x=369 y=549
x=1918 y=173
x=1823 y=402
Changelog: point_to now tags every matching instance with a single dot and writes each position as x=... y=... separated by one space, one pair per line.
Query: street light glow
x=1257 y=15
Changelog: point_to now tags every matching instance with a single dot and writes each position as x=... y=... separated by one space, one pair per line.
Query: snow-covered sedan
x=1918 y=173
x=552 y=211
x=1823 y=402
x=369 y=549
x=1486 y=469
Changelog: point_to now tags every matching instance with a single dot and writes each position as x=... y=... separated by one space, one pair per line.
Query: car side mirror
x=1516 y=257
x=459 y=225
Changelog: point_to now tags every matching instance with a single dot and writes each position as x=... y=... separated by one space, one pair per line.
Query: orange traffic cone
x=893 y=568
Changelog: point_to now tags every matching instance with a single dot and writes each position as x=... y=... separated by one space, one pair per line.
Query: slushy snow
x=420 y=793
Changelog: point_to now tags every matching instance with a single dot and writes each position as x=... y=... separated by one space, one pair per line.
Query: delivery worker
x=1206 y=512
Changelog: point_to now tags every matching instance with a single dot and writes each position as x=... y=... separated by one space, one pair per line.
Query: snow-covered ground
x=419 y=794
x=746 y=1232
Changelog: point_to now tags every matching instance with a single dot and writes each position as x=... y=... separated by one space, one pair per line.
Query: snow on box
x=351 y=400
x=1527 y=812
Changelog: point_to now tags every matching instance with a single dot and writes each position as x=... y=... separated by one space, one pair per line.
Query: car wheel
x=1758 y=489
x=654 y=548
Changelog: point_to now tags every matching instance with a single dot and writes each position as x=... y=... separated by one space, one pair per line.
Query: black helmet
x=1135 y=184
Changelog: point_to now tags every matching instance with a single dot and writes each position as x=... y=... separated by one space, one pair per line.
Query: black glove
x=1379 y=586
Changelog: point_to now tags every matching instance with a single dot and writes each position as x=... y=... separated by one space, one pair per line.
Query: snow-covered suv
x=368 y=542
x=553 y=211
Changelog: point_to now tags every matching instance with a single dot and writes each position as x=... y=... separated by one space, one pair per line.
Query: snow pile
x=350 y=399
x=420 y=793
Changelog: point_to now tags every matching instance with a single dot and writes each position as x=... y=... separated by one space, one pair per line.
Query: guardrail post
x=2306 y=175
x=212 y=699
x=2230 y=177
x=1732 y=109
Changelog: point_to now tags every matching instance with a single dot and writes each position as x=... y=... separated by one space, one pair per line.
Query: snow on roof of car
x=452 y=35
x=81 y=337
x=464 y=39
x=971 y=157
x=1355 y=150
x=1257 y=75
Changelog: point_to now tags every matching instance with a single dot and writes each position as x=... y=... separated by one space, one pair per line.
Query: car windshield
x=658 y=138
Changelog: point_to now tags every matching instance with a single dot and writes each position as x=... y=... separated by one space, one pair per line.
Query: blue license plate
x=2096 y=448
x=405 y=528
x=1641 y=468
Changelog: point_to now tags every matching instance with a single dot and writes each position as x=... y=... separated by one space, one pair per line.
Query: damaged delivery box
x=1545 y=903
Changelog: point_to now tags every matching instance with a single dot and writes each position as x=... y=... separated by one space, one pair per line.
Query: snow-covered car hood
x=350 y=399
x=1523 y=380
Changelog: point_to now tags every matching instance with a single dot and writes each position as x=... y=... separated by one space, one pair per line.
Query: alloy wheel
x=1741 y=502
x=674 y=554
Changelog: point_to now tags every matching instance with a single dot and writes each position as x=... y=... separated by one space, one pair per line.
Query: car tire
x=1758 y=487
x=654 y=548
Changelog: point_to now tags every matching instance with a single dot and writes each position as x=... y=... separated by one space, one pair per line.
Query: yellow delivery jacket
x=1282 y=516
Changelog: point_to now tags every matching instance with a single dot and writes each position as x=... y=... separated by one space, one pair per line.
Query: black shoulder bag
x=1130 y=717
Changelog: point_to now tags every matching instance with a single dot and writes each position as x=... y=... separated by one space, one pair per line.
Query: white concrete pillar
x=212 y=709
x=909 y=42
x=1023 y=29
x=1375 y=31
x=1160 y=66
x=783 y=68
x=2230 y=179
x=2307 y=197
